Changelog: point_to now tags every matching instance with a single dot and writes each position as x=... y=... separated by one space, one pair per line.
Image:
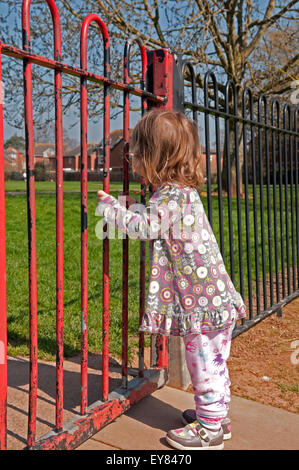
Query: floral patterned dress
x=189 y=289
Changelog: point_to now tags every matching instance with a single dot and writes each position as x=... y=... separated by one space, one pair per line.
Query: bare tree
x=230 y=36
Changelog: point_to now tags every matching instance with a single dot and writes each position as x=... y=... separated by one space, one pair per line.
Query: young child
x=190 y=293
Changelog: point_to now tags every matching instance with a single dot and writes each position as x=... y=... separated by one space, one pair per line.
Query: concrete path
x=143 y=427
x=254 y=426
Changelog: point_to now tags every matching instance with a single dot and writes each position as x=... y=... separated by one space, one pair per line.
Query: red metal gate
x=157 y=76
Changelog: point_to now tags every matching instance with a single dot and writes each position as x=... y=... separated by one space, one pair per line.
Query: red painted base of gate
x=99 y=414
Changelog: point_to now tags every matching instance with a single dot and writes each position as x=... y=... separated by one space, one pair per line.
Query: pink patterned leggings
x=206 y=356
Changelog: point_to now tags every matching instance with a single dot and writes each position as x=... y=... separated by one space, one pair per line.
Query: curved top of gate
x=262 y=98
x=84 y=33
x=230 y=84
x=56 y=26
x=287 y=114
x=142 y=50
x=275 y=104
x=247 y=90
x=189 y=65
x=210 y=74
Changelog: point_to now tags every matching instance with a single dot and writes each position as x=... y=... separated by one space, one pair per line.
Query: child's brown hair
x=167 y=144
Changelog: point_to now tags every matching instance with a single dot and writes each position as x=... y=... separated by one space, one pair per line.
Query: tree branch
x=271 y=20
x=264 y=25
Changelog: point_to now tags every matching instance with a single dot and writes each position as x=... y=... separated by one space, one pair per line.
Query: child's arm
x=146 y=224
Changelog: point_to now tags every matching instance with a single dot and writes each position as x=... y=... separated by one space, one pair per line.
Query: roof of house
x=41 y=147
x=77 y=150
x=116 y=136
x=6 y=156
x=11 y=150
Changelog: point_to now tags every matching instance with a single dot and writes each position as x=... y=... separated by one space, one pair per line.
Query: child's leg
x=206 y=356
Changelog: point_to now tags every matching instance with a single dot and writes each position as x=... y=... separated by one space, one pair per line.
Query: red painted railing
x=70 y=434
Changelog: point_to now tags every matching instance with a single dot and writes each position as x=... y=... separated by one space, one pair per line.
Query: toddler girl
x=190 y=293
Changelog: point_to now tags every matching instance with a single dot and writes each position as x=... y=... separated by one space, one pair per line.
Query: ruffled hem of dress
x=186 y=324
x=191 y=331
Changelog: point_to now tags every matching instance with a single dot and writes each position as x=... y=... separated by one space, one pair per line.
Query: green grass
x=17 y=272
x=17 y=278
x=20 y=186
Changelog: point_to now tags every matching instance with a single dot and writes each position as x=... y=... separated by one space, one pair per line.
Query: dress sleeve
x=139 y=222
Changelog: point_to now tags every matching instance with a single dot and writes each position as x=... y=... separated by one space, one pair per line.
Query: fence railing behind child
x=261 y=141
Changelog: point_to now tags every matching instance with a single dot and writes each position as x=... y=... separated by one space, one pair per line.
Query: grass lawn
x=20 y=186
x=17 y=272
x=17 y=278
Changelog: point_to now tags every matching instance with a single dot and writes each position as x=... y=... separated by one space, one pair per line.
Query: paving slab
x=18 y=392
x=254 y=426
x=91 y=444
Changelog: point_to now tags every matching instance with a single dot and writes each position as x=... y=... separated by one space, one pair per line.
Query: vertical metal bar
x=29 y=139
x=193 y=88
x=126 y=139
x=275 y=104
x=229 y=195
x=207 y=146
x=194 y=94
x=219 y=180
x=84 y=249
x=240 y=244
x=106 y=186
x=296 y=188
x=3 y=314
x=59 y=223
x=269 y=208
x=84 y=240
x=141 y=285
x=281 y=215
x=292 y=203
x=286 y=110
x=261 y=168
x=31 y=220
x=84 y=229
x=126 y=134
x=248 y=244
x=144 y=108
x=256 y=241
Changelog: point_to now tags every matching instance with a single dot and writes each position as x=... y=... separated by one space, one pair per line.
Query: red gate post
x=161 y=82
x=125 y=241
x=31 y=221
x=165 y=78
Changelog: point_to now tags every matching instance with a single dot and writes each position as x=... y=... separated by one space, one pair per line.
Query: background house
x=44 y=153
x=72 y=157
x=14 y=160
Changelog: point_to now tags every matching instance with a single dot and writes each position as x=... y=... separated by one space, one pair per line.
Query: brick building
x=14 y=160
x=44 y=152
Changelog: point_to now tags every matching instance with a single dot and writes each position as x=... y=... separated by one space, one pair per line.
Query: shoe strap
x=198 y=430
x=203 y=434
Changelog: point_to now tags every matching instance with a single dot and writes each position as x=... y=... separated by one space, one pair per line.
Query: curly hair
x=167 y=143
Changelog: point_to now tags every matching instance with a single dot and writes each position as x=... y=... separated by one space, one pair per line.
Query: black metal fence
x=251 y=149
